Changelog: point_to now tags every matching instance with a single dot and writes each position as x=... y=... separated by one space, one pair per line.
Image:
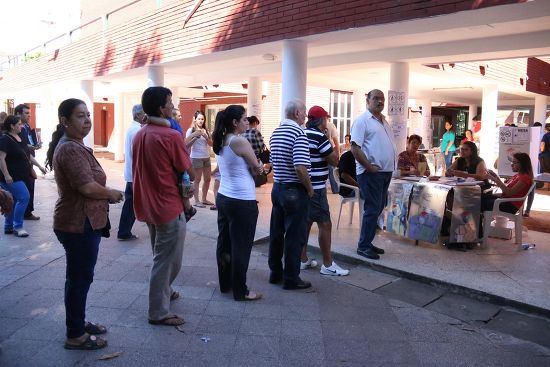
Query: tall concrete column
x=426 y=130
x=472 y=112
x=488 y=135
x=118 y=133
x=155 y=76
x=359 y=103
x=294 y=72
x=175 y=96
x=254 y=105
x=541 y=104
x=398 y=108
x=87 y=95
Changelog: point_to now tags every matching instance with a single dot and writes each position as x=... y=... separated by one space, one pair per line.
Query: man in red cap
x=321 y=155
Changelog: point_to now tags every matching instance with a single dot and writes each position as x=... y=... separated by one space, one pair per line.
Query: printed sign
x=426 y=214
x=520 y=135
x=397 y=104
x=505 y=135
x=399 y=194
x=465 y=219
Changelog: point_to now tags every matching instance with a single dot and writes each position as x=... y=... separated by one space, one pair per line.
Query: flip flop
x=175 y=295
x=252 y=296
x=209 y=203
x=199 y=205
x=169 y=321
x=213 y=207
x=94 y=329
x=91 y=343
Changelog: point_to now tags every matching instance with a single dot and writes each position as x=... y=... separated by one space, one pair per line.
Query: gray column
x=254 y=105
x=488 y=134
x=472 y=112
x=426 y=131
x=397 y=109
x=87 y=95
x=294 y=72
x=541 y=104
x=155 y=76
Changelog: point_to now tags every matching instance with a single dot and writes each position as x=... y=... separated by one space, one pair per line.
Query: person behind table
x=321 y=155
x=409 y=160
x=469 y=165
x=236 y=201
x=81 y=216
x=516 y=187
x=448 y=144
x=468 y=136
x=198 y=139
x=374 y=150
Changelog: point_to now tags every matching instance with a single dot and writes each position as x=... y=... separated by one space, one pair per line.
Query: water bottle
x=527 y=246
x=186 y=183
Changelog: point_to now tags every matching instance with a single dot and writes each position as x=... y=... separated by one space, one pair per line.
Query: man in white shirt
x=374 y=150
x=127 y=216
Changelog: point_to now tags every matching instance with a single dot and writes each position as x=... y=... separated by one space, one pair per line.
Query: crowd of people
x=164 y=168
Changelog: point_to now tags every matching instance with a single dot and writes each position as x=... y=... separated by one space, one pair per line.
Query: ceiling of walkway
x=497 y=38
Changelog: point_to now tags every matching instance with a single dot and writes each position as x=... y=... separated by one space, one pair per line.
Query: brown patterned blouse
x=75 y=165
x=405 y=161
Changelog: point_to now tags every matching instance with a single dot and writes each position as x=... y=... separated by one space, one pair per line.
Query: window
x=340 y=111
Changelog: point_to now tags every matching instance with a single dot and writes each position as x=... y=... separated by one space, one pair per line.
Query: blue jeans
x=287 y=229
x=448 y=159
x=374 y=190
x=81 y=252
x=21 y=199
x=127 y=216
x=332 y=180
x=236 y=229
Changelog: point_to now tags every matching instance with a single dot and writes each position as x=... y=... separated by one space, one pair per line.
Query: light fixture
x=269 y=57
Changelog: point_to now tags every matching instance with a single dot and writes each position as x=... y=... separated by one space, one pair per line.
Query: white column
x=175 y=96
x=359 y=103
x=87 y=95
x=399 y=82
x=488 y=134
x=426 y=130
x=472 y=112
x=541 y=104
x=294 y=72
x=155 y=76
x=118 y=132
x=254 y=105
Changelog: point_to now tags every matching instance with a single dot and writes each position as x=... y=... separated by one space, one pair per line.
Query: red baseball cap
x=316 y=112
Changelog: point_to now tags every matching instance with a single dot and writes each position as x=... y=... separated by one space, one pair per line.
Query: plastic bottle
x=186 y=182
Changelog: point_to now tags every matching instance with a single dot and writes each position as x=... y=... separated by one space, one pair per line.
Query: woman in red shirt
x=515 y=187
x=468 y=136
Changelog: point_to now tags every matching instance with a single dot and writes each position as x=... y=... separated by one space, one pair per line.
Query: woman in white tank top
x=236 y=201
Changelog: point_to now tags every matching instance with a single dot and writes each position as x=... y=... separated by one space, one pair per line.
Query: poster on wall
x=465 y=218
x=397 y=103
x=520 y=135
x=399 y=194
x=426 y=213
x=505 y=135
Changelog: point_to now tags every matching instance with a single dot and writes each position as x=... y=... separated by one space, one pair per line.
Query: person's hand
x=189 y=192
x=310 y=192
x=42 y=169
x=374 y=168
x=9 y=180
x=115 y=196
x=6 y=202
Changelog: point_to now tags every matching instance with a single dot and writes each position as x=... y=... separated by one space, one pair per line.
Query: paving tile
x=260 y=326
x=300 y=328
x=231 y=309
x=217 y=343
x=406 y=290
x=367 y=279
x=463 y=308
x=260 y=345
x=522 y=326
x=218 y=324
x=260 y=309
x=300 y=349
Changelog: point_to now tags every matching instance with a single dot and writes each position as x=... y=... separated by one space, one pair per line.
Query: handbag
x=264 y=155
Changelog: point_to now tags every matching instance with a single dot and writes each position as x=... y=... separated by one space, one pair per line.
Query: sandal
x=94 y=329
x=209 y=203
x=252 y=296
x=199 y=205
x=169 y=321
x=175 y=295
x=91 y=343
x=213 y=207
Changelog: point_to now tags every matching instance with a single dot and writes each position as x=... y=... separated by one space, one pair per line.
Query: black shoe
x=32 y=217
x=378 y=250
x=131 y=238
x=300 y=284
x=275 y=279
x=369 y=254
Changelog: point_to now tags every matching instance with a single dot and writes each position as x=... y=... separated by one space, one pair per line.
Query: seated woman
x=517 y=186
x=469 y=164
x=410 y=162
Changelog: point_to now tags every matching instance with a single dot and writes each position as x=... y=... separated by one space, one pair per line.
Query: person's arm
x=346 y=177
x=362 y=158
x=452 y=171
x=93 y=190
x=333 y=158
x=506 y=190
x=542 y=146
x=242 y=148
x=35 y=163
x=336 y=145
x=154 y=120
x=303 y=177
x=4 y=168
x=192 y=137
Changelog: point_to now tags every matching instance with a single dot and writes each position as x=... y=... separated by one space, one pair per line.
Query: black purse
x=264 y=156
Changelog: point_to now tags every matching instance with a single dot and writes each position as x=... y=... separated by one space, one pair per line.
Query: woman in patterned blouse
x=408 y=160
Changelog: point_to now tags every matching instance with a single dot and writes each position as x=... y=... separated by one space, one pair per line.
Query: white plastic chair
x=351 y=200
x=516 y=218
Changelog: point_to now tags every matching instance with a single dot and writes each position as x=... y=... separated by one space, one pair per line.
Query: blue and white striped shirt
x=289 y=148
x=319 y=148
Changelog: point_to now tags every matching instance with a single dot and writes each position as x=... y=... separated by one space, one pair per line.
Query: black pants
x=81 y=252
x=236 y=225
x=488 y=200
x=127 y=216
x=29 y=182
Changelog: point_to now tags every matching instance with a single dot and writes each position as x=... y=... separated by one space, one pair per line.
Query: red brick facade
x=216 y=26
x=538 y=73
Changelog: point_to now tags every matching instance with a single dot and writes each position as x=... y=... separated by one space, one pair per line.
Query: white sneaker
x=334 y=269
x=310 y=263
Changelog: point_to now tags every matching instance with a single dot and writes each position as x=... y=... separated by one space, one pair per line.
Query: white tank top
x=236 y=181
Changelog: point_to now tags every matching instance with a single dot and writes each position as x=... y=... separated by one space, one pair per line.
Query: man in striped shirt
x=321 y=155
x=290 y=197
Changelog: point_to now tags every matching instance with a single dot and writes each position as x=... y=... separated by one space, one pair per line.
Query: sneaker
x=310 y=263
x=20 y=233
x=334 y=269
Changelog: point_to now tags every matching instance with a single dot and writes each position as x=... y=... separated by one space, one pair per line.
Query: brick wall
x=217 y=25
x=538 y=73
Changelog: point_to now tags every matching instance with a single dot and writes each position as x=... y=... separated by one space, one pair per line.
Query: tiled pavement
x=351 y=321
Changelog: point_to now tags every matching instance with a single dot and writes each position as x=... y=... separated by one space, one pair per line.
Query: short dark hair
x=418 y=138
x=9 y=122
x=537 y=124
x=19 y=108
x=253 y=120
x=153 y=98
x=547 y=126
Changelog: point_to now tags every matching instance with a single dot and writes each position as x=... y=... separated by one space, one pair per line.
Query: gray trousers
x=167 y=242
